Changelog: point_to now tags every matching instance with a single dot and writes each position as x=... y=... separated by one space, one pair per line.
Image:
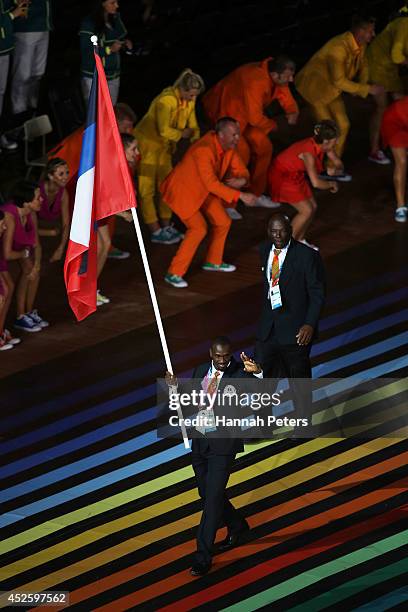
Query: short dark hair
x=127 y=140
x=278 y=216
x=222 y=122
x=221 y=341
x=361 y=20
x=22 y=191
x=280 y=64
x=325 y=130
x=123 y=111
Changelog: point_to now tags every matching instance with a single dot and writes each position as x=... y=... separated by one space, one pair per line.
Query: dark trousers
x=212 y=473
x=293 y=362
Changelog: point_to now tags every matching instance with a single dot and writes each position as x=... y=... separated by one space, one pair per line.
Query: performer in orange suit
x=210 y=173
x=245 y=94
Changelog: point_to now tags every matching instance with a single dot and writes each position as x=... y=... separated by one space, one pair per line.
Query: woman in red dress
x=394 y=134
x=298 y=166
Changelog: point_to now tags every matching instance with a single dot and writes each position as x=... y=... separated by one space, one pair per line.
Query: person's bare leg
x=22 y=287
x=32 y=292
x=104 y=244
x=8 y=282
x=301 y=222
x=381 y=101
x=400 y=174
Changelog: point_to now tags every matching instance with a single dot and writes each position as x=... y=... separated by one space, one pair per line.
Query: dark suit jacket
x=227 y=445
x=302 y=287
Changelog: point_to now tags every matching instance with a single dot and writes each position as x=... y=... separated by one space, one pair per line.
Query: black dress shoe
x=200 y=569
x=233 y=539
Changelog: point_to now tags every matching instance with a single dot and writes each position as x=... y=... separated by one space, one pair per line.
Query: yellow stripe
x=139 y=542
x=168 y=504
x=166 y=480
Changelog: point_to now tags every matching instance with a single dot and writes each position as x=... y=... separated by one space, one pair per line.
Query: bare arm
x=310 y=166
x=9 y=254
x=57 y=255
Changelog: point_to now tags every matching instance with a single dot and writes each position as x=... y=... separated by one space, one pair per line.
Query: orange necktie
x=275 y=267
x=213 y=386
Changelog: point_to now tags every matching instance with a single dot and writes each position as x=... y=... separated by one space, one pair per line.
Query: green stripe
x=352 y=587
x=319 y=573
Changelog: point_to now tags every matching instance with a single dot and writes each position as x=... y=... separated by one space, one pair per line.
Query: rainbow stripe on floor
x=94 y=504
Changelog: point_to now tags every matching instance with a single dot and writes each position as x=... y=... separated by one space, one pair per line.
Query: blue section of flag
x=89 y=138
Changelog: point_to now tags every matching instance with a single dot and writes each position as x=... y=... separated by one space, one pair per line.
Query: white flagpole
x=157 y=313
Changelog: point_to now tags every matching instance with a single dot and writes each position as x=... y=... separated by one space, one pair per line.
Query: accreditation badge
x=275 y=296
x=205 y=421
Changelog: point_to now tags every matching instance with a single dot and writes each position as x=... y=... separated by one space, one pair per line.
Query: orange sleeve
x=255 y=96
x=237 y=168
x=284 y=96
x=204 y=160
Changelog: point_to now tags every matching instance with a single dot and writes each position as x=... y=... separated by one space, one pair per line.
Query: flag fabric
x=104 y=188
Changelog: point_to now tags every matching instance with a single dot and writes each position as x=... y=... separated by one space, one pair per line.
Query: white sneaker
x=401 y=214
x=233 y=214
x=309 y=244
x=5 y=346
x=8 y=145
x=265 y=202
x=101 y=299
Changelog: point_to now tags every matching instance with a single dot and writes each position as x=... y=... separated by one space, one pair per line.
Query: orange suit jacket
x=199 y=174
x=244 y=94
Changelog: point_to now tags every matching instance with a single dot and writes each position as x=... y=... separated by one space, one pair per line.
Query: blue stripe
x=88 y=150
x=363 y=309
x=391 y=276
x=150 y=390
x=359 y=332
x=108 y=384
x=145 y=464
x=87 y=160
x=123 y=378
x=386 y=602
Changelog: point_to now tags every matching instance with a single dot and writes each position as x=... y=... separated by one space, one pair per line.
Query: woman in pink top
x=6 y=291
x=55 y=203
x=20 y=243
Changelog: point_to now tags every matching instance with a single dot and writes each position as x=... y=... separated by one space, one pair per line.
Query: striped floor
x=94 y=504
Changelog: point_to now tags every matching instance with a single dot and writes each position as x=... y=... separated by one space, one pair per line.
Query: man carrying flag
x=105 y=187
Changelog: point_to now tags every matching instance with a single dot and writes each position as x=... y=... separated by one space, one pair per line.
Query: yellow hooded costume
x=158 y=133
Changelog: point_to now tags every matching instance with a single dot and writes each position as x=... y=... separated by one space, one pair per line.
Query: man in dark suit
x=212 y=457
x=294 y=293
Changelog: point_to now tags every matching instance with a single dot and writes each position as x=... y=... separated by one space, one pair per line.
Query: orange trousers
x=255 y=150
x=214 y=211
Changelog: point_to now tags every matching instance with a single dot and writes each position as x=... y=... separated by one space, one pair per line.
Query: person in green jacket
x=32 y=32
x=9 y=11
x=106 y=24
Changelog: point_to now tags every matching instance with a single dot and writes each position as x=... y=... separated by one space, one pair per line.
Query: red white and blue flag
x=105 y=187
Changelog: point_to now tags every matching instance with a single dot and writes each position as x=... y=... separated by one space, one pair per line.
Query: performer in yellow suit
x=171 y=117
x=385 y=55
x=332 y=71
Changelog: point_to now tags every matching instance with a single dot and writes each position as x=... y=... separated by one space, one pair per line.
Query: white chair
x=35 y=129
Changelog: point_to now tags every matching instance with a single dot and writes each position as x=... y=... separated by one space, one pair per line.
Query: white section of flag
x=82 y=215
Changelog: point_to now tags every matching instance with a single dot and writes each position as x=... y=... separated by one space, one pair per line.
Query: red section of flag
x=114 y=191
